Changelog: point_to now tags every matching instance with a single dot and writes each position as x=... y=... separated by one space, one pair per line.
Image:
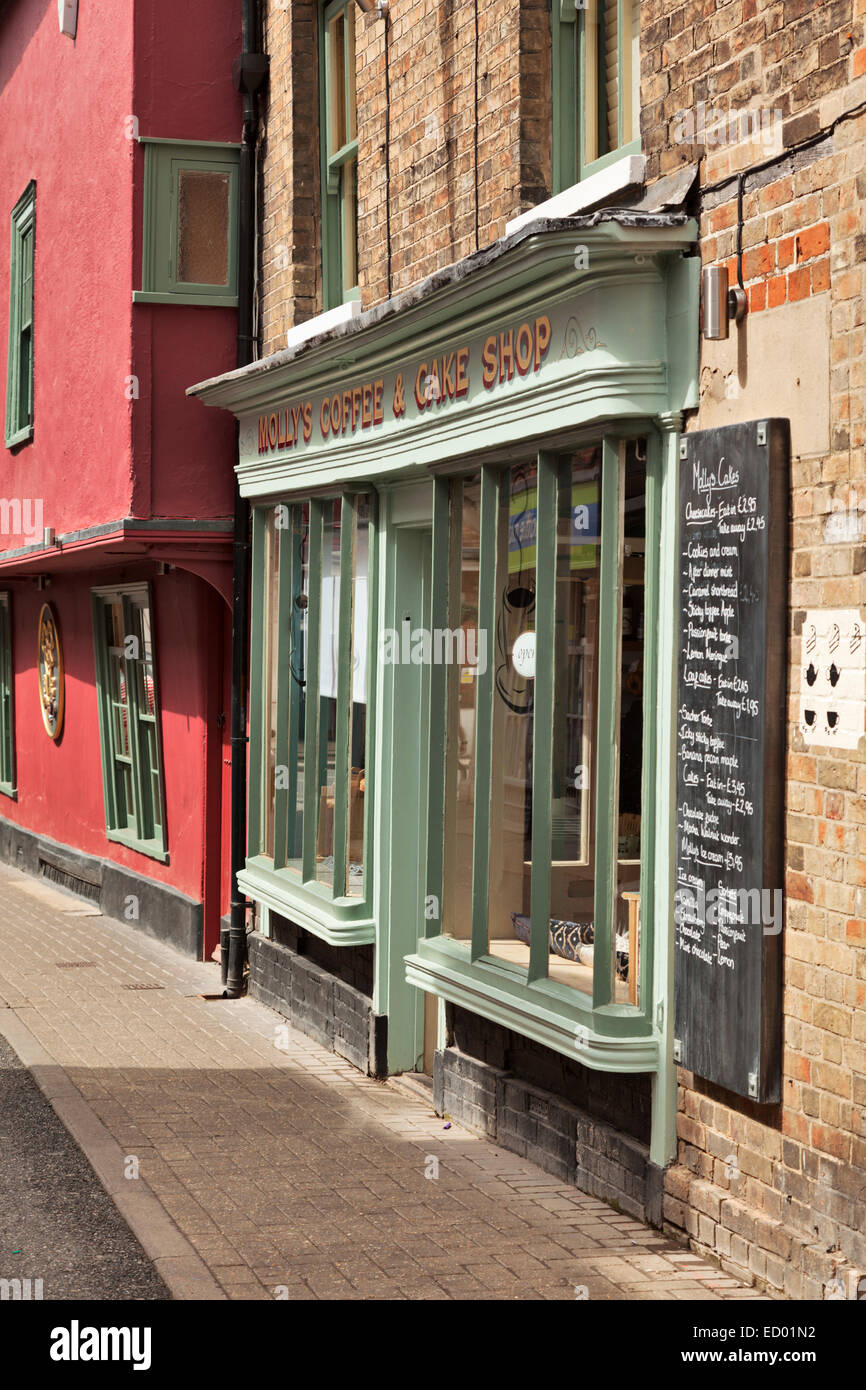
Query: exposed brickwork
x=542 y=1127
x=778 y=1192
x=290 y=253
x=326 y=1008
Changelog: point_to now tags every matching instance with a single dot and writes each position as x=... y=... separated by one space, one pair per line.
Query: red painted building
x=119 y=186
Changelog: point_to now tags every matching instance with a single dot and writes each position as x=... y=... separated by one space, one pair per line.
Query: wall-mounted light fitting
x=720 y=303
x=379 y=7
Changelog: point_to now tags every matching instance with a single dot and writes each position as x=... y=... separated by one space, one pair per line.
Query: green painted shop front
x=463 y=645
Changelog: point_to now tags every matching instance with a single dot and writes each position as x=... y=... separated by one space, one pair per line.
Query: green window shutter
x=338 y=144
x=129 y=719
x=19 y=375
x=7 y=743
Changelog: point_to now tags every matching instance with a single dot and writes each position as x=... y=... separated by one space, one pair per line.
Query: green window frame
x=604 y=1009
x=596 y=86
x=129 y=719
x=338 y=145
x=194 y=185
x=312 y=669
x=7 y=731
x=19 y=370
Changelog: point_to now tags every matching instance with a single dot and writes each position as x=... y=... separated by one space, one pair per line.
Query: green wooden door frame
x=405 y=697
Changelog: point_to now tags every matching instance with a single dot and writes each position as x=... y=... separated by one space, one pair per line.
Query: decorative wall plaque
x=51 y=673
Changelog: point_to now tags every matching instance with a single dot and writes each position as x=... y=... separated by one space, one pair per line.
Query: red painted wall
x=68 y=115
x=61 y=122
x=97 y=456
x=59 y=783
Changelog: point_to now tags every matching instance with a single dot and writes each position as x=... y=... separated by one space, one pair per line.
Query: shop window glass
x=569 y=730
x=310 y=718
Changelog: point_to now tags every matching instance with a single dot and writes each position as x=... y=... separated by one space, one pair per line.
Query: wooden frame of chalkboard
x=730 y=755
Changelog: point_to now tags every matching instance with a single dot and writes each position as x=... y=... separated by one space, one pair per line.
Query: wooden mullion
x=607 y=759
x=312 y=717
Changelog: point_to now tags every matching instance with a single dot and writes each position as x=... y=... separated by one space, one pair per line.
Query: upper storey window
x=596 y=86
x=19 y=372
x=338 y=140
x=190 y=250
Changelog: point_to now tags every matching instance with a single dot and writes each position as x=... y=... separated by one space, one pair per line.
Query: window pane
x=631 y=724
x=601 y=78
x=358 y=727
x=270 y=676
x=297 y=676
x=512 y=714
x=329 y=662
x=462 y=702
x=578 y=576
x=337 y=83
x=203 y=226
x=350 y=224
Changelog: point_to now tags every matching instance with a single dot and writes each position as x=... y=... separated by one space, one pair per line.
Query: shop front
x=463 y=666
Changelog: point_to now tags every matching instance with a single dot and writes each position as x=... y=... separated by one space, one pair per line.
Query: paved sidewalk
x=263 y=1169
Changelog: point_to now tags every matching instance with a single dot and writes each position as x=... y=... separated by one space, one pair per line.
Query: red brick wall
x=779 y=1192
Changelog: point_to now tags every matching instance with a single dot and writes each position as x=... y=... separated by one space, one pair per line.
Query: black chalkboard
x=731 y=682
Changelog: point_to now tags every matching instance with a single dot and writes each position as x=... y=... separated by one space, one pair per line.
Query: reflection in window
x=513 y=704
x=462 y=702
x=579 y=710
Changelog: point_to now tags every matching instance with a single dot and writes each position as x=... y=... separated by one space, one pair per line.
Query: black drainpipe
x=249 y=71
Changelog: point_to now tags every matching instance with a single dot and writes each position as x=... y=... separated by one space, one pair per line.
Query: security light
x=720 y=303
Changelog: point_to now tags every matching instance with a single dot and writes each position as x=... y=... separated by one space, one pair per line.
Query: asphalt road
x=57 y=1222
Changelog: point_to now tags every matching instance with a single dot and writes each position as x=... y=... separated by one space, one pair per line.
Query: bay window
x=548 y=750
x=309 y=723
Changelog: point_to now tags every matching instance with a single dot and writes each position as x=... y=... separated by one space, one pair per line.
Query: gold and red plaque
x=51 y=673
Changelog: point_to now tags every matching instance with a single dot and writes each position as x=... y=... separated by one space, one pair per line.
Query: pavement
x=250 y=1163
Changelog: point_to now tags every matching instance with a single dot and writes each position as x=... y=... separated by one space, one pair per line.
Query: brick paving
x=285 y=1171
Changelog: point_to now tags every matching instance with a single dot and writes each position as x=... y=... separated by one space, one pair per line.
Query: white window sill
x=626 y=173
x=323 y=323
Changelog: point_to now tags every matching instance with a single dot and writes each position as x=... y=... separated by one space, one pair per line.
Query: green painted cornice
x=537 y=263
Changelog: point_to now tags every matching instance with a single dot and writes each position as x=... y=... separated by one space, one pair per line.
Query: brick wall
x=289 y=197
x=454 y=181
x=779 y=1192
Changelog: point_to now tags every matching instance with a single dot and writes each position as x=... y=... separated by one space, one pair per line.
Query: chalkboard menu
x=731 y=681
